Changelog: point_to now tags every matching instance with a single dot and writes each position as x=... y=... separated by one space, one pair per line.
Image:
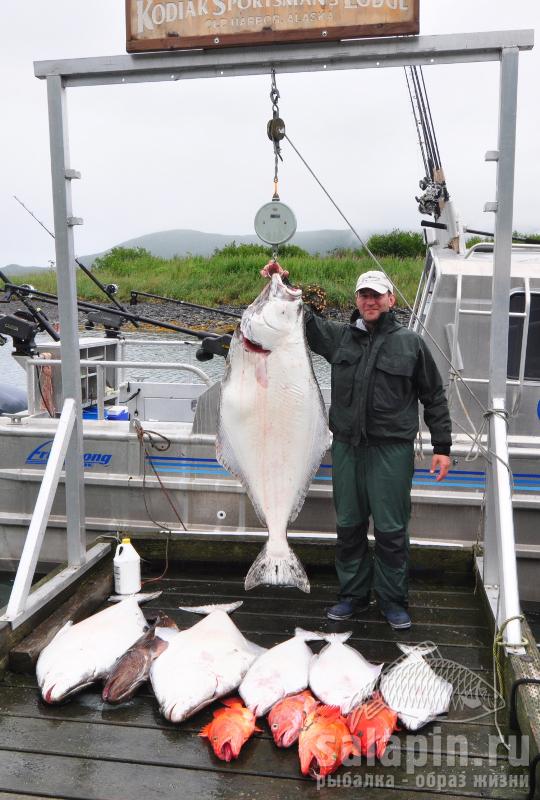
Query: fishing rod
x=212 y=343
x=434 y=183
x=136 y=294
x=425 y=223
x=109 y=290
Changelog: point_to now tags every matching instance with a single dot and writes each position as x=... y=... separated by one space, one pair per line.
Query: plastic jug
x=127 y=569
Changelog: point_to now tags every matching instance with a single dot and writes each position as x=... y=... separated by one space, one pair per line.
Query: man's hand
x=272 y=267
x=442 y=463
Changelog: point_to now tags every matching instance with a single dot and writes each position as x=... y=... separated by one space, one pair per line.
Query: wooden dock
x=89 y=750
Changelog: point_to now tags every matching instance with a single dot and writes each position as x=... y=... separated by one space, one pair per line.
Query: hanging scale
x=275 y=222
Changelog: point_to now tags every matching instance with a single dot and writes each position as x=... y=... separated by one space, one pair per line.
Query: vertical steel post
x=500 y=558
x=67 y=307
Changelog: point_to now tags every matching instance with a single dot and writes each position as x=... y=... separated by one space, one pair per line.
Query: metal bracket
x=72 y=174
x=71 y=221
x=491 y=206
x=491 y=155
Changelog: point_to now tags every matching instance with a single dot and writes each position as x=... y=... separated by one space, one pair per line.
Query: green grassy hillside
x=231 y=276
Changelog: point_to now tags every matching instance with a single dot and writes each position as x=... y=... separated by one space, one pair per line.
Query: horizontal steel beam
x=350 y=54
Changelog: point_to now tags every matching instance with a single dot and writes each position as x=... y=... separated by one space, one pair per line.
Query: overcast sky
x=194 y=154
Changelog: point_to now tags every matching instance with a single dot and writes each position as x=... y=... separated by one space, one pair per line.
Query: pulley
x=275 y=129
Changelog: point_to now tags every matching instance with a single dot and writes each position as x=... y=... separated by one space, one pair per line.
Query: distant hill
x=17 y=269
x=167 y=244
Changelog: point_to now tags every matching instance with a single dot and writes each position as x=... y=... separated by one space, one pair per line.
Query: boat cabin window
x=515 y=338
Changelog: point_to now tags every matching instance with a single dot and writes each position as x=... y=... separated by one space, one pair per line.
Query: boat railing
x=453 y=331
x=23 y=603
x=100 y=366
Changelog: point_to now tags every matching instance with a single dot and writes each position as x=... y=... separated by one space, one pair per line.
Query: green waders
x=373 y=480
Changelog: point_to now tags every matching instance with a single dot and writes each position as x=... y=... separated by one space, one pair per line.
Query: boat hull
x=128 y=488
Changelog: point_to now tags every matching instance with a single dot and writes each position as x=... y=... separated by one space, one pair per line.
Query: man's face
x=371 y=304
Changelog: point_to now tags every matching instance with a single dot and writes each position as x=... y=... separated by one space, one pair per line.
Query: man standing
x=380 y=370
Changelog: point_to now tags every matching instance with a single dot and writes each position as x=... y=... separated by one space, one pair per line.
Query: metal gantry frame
x=499 y=568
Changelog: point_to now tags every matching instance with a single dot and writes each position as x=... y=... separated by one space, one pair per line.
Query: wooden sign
x=173 y=25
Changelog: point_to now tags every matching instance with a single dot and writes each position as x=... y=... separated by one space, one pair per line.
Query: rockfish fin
x=271 y=569
x=205 y=732
x=228 y=608
x=328 y=712
x=233 y=702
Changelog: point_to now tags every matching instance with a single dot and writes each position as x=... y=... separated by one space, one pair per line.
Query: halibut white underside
x=272 y=430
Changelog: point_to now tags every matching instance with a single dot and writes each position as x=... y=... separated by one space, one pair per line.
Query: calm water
x=12 y=373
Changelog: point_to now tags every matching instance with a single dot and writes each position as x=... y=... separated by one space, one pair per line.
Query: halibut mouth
x=253 y=347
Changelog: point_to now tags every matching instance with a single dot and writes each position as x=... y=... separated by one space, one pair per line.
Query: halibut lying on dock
x=83 y=653
x=340 y=676
x=202 y=663
x=283 y=670
x=272 y=429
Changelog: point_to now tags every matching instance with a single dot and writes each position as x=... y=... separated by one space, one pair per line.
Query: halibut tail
x=277 y=569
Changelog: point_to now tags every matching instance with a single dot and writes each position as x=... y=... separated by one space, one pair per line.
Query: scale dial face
x=275 y=223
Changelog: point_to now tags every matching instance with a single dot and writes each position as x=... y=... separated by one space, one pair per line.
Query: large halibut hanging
x=272 y=425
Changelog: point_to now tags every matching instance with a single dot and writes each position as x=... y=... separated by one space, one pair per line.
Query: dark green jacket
x=378 y=379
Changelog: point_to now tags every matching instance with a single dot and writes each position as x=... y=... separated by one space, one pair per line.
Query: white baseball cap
x=374 y=280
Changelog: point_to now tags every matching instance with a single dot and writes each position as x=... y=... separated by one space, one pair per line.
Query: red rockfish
x=230 y=729
x=287 y=717
x=374 y=723
x=325 y=742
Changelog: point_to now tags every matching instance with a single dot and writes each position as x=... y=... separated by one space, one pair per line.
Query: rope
x=141 y=434
x=159 y=577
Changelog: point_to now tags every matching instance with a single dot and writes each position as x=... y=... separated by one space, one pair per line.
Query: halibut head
x=272 y=424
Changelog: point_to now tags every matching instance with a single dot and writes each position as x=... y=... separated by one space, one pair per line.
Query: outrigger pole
x=426 y=223
x=136 y=294
x=212 y=343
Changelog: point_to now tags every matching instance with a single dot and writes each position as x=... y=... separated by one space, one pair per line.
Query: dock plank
x=310 y=608
x=85 y=779
x=142 y=711
x=175 y=750
x=189 y=584
x=89 y=750
x=365 y=630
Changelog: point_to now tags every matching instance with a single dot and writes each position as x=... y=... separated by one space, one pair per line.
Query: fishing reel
x=213 y=346
x=435 y=194
x=111 y=322
x=22 y=328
